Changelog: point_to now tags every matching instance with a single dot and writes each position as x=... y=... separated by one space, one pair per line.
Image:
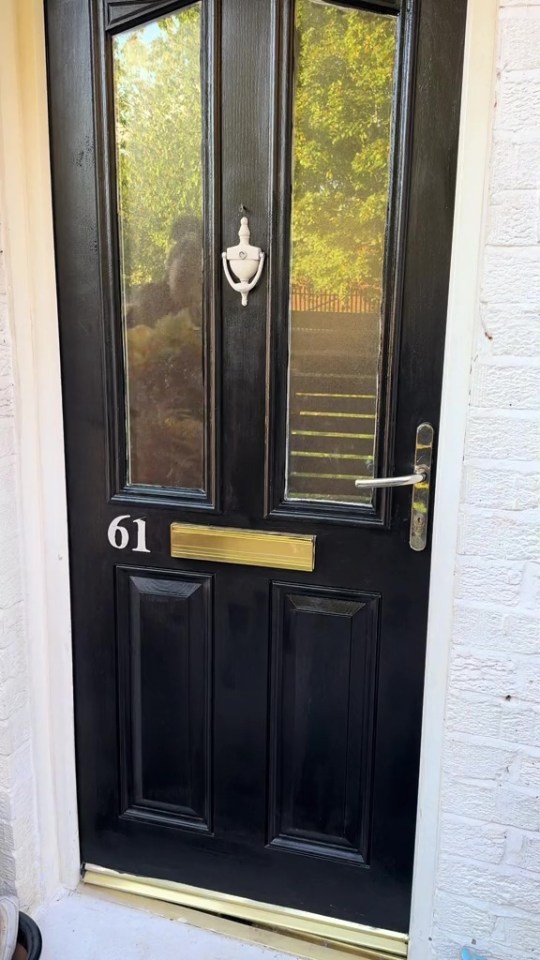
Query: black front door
x=248 y=709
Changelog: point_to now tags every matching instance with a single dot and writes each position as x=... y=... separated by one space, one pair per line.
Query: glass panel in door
x=159 y=142
x=342 y=122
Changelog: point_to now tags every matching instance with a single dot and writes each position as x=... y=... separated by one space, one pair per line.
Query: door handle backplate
x=423 y=456
x=419 y=480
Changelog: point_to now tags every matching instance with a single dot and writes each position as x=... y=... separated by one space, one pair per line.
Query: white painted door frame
x=26 y=211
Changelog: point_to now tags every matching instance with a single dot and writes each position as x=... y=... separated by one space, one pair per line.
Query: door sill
x=308 y=928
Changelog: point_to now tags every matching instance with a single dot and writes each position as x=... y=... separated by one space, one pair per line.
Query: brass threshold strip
x=370 y=941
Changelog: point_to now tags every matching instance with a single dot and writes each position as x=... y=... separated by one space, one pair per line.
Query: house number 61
x=118 y=535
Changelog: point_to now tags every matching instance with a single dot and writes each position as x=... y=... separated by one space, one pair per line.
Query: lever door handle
x=409 y=480
x=420 y=481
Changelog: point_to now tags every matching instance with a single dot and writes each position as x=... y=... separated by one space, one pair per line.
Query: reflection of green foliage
x=345 y=65
x=159 y=137
x=344 y=72
x=166 y=400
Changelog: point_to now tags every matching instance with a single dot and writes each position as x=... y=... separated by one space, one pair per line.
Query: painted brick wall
x=18 y=848
x=488 y=884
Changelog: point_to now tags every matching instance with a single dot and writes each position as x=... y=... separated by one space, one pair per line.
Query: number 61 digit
x=118 y=535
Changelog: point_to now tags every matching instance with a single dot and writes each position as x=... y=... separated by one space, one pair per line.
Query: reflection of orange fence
x=357 y=301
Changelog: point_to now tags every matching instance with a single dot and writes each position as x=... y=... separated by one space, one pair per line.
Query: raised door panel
x=164 y=642
x=322 y=718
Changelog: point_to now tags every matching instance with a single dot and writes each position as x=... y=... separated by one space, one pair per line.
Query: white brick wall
x=18 y=845
x=488 y=878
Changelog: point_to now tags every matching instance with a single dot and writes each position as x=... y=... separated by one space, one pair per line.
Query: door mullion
x=246 y=99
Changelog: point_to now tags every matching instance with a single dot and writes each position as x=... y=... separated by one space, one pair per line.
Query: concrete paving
x=82 y=926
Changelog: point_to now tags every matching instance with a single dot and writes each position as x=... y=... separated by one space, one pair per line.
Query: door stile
x=72 y=109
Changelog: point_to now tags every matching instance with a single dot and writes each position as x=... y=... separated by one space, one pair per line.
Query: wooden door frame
x=26 y=210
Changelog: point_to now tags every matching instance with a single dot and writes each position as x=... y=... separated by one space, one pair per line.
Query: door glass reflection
x=159 y=140
x=343 y=95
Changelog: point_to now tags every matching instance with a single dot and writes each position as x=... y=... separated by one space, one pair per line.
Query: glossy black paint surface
x=324 y=645
x=248 y=730
x=164 y=629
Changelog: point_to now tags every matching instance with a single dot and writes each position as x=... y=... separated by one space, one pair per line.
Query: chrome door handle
x=409 y=480
x=420 y=481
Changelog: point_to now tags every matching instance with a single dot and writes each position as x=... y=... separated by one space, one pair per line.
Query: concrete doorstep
x=86 y=925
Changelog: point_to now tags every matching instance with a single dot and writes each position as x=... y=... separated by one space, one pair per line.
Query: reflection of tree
x=159 y=144
x=159 y=137
x=343 y=87
x=166 y=402
x=165 y=364
x=344 y=73
x=345 y=63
